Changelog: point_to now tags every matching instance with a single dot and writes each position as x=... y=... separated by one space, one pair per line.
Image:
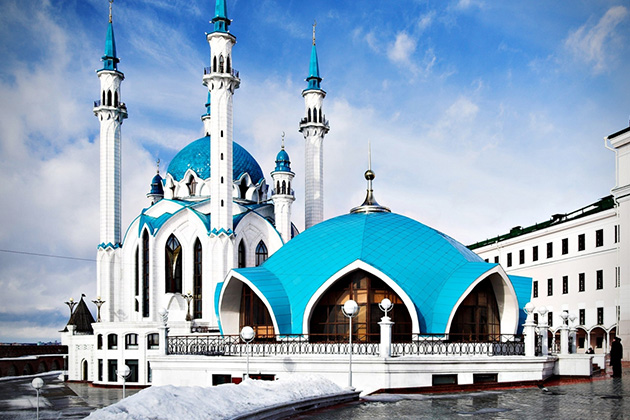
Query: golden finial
x=110 y=10
x=283 y=140
x=314 y=25
x=158 y=165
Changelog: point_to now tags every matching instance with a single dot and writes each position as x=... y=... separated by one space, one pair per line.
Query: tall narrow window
x=192 y=186
x=600 y=316
x=599 y=237
x=535 y=253
x=600 y=279
x=617 y=234
x=242 y=261
x=617 y=276
x=109 y=98
x=228 y=65
x=496 y=259
x=214 y=64
x=284 y=187
x=581 y=282
x=565 y=246
x=221 y=63
x=308 y=118
x=173 y=267
x=581 y=242
x=550 y=319
x=565 y=285
x=521 y=256
x=535 y=289
x=137 y=278
x=549 y=249
x=261 y=253
x=509 y=259
x=145 y=274
x=549 y=287
x=116 y=99
x=582 y=316
x=198 y=254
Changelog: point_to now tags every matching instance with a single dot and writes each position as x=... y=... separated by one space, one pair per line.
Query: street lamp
x=386 y=305
x=350 y=309
x=38 y=384
x=188 y=296
x=124 y=375
x=98 y=302
x=247 y=334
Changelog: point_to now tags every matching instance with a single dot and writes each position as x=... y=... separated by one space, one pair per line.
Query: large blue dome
x=196 y=156
x=430 y=267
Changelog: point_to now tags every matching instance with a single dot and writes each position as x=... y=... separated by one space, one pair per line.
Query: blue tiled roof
x=433 y=269
x=283 y=163
x=196 y=156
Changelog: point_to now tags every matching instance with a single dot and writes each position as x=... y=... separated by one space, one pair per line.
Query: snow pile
x=217 y=402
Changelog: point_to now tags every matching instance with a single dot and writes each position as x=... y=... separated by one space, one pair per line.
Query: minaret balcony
x=232 y=72
x=304 y=121
x=121 y=105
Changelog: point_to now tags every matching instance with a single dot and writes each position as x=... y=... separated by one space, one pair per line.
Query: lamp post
x=188 y=296
x=386 y=305
x=247 y=334
x=124 y=375
x=98 y=302
x=37 y=383
x=71 y=304
x=386 y=323
x=350 y=309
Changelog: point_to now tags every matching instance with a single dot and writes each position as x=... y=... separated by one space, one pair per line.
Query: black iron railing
x=424 y=344
x=208 y=70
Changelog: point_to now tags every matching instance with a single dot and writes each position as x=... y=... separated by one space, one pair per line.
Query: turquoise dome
x=431 y=268
x=196 y=156
x=283 y=164
x=156 y=186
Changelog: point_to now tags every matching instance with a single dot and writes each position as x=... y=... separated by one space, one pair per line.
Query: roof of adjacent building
x=82 y=319
x=433 y=269
x=603 y=204
x=196 y=156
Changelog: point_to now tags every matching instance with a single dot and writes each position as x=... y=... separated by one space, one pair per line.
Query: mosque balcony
x=298 y=344
x=232 y=72
x=121 y=105
x=324 y=122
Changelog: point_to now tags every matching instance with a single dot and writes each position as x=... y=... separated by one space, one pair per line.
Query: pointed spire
x=110 y=61
x=313 y=74
x=208 y=104
x=369 y=204
x=283 y=163
x=220 y=20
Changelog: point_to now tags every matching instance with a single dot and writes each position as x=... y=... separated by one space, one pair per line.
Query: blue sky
x=482 y=115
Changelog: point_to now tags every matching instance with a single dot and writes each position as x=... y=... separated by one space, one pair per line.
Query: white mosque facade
x=217 y=251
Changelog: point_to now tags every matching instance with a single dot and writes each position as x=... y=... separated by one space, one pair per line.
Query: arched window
x=308 y=118
x=173 y=265
x=131 y=341
x=241 y=255
x=214 y=64
x=153 y=341
x=109 y=98
x=227 y=64
x=137 y=274
x=145 y=274
x=254 y=313
x=116 y=99
x=197 y=277
x=284 y=187
x=243 y=188
x=112 y=342
x=477 y=318
x=289 y=187
x=261 y=253
x=221 y=62
x=315 y=115
x=328 y=322
x=278 y=187
x=192 y=185
x=103 y=101
x=99 y=341
x=321 y=120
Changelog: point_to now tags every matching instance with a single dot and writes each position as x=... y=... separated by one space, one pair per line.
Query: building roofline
x=603 y=204
x=618 y=133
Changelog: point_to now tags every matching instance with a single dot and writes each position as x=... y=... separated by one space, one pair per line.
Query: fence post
x=529 y=331
x=386 y=336
x=543 y=329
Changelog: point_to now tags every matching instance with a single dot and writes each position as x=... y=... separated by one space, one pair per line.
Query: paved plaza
x=601 y=398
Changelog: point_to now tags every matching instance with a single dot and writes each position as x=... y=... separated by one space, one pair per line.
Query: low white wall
x=574 y=365
x=369 y=373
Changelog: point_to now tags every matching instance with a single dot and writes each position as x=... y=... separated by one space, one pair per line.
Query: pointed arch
x=228 y=67
x=103 y=102
x=277 y=187
x=477 y=317
x=116 y=99
x=192 y=185
x=242 y=256
x=315 y=119
x=214 y=64
x=308 y=118
x=284 y=187
x=109 y=98
x=242 y=188
x=197 y=279
x=145 y=273
x=289 y=187
x=261 y=253
x=173 y=265
x=221 y=63
x=321 y=119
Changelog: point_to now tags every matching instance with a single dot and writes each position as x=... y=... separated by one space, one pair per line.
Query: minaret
x=206 y=118
x=110 y=111
x=221 y=81
x=157 y=189
x=314 y=126
x=283 y=195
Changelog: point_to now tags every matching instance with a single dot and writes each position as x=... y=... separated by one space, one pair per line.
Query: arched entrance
x=84 y=370
x=477 y=318
x=254 y=313
x=328 y=323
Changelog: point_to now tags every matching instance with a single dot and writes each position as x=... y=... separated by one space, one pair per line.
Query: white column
x=529 y=331
x=386 y=336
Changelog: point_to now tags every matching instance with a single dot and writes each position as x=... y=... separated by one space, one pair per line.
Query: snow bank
x=217 y=402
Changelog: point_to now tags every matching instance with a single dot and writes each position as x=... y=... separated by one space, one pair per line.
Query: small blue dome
x=196 y=156
x=283 y=163
x=156 y=186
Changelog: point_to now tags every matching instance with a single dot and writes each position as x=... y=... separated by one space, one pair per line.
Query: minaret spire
x=220 y=20
x=282 y=195
x=110 y=60
x=369 y=204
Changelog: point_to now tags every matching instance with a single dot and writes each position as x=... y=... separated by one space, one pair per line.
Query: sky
x=482 y=115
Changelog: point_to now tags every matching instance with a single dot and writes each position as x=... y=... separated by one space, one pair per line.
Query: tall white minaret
x=283 y=197
x=314 y=126
x=110 y=111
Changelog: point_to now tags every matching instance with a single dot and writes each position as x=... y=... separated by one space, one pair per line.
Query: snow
x=217 y=402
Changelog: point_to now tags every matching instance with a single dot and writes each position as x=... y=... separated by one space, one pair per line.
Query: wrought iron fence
x=208 y=70
x=425 y=344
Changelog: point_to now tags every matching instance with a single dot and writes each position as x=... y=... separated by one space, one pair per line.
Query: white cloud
x=402 y=49
x=426 y=21
x=594 y=44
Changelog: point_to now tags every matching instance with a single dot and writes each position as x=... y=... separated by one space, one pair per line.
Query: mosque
x=217 y=251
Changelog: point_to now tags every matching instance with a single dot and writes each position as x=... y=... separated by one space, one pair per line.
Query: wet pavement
x=57 y=400
x=600 y=398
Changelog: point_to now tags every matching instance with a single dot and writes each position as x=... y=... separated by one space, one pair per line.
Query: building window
x=600 y=316
x=581 y=282
x=581 y=242
x=242 y=261
x=536 y=318
x=197 y=277
x=509 y=259
x=133 y=370
x=254 y=313
x=549 y=287
x=153 y=341
x=261 y=253
x=535 y=288
x=599 y=237
x=173 y=267
x=582 y=316
x=521 y=256
x=617 y=276
x=617 y=313
x=496 y=259
x=565 y=246
x=550 y=250
x=535 y=253
x=550 y=319
x=487 y=260
x=100 y=369
x=145 y=274
x=137 y=272
x=112 y=341
x=617 y=234
x=192 y=186
x=131 y=341
x=112 y=367
x=99 y=341
x=600 y=279
x=149 y=373
x=565 y=285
